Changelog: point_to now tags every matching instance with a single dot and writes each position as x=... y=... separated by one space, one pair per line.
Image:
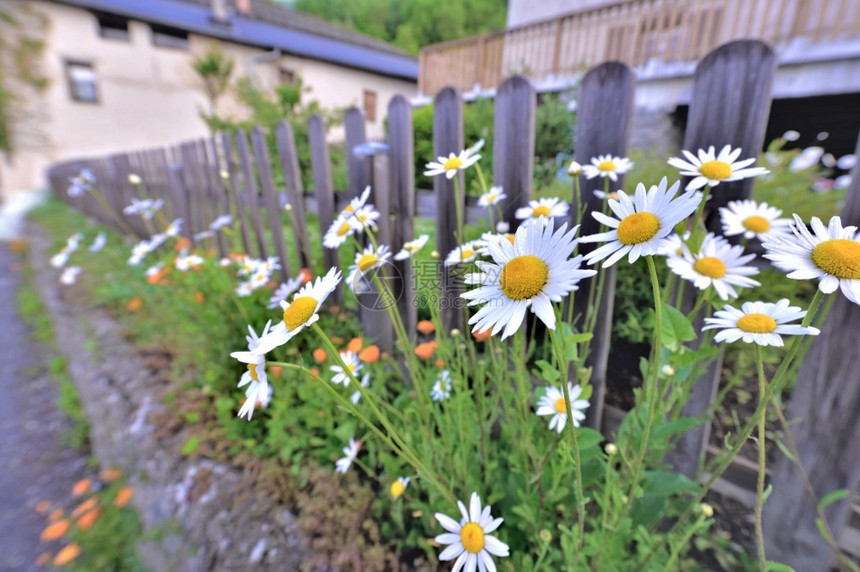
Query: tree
x=215 y=69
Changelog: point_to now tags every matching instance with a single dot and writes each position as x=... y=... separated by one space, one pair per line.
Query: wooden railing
x=634 y=32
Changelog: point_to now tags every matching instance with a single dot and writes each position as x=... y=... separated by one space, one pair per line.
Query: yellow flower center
x=710 y=266
x=560 y=406
x=452 y=164
x=413 y=248
x=492 y=198
x=839 y=257
x=252 y=368
x=510 y=238
x=299 y=312
x=542 y=210
x=367 y=261
x=606 y=166
x=348 y=208
x=757 y=224
x=344 y=228
x=757 y=323
x=716 y=170
x=638 y=228
x=523 y=277
x=472 y=537
x=397 y=489
x=466 y=253
x=613 y=196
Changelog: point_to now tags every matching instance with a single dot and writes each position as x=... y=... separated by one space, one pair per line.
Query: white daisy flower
x=711 y=169
x=574 y=169
x=831 y=254
x=302 y=311
x=842 y=182
x=255 y=377
x=791 y=135
x=531 y=273
x=356 y=395
x=643 y=222
x=607 y=166
x=398 y=487
x=364 y=217
x=605 y=196
x=476 y=147
x=718 y=263
x=758 y=322
x=353 y=365
x=73 y=241
x=153 y=270
x=451 y=165
x=542 y=210
x=441 y=389
x=357 y=202
x=134 y=179
x=70 y=275
x=174 y=228
x=146 y=208
x=752 y=219
x=281 y=292
x=466 y=252
x=350 y=453
x=59 y=260
x=204 y=235
x=81 y=183
x=186 y=263
x=806 y=159
x=412 y=247
x=552 y=403
x=98 y=242
x=846 y=162
x=339 y=232
x=221 y=222
x=502 y=227
x=244 y=289
x=367 y=260
x=492 y=197
x=674 y=245
x=469 y=540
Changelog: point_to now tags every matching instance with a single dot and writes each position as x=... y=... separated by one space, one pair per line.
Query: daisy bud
x=502 y=227
x=625 y=499
x=574 y=169
x=434 y=254
x=288 y=207
x=668 y=370
x=224 y=174
x=134 y=179
x=611 y=449
x=545 y=536
x=707 y=510
x=455 y=332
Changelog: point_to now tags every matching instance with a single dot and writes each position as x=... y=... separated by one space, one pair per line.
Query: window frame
x=74 y=92
x=370 y=108
x=108 y=32
x=170 y=37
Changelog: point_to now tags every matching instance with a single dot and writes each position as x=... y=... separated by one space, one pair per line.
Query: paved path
x=33 y=465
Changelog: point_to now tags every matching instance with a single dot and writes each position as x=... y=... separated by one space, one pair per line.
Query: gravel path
x=33 y=465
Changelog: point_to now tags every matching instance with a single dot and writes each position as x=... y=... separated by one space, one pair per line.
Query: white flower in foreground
x=350 y=453
x=574 y=169
x=302 y=311
x=186 y=263
x=466 y=252
x=469 y=540
x=752 y=219
x=255 y=377
x=607 y=166
x=398 y=487
x=368 y=259
x=762 y=323
x=643 y=224
x=451 y=165
x=542 y=210
x=283 y=291
x=221 y=222
x=98 y=242
x=531 y=273
x=441 y=389
x=70 y=275
x=718 y=263
x=356 y=203
x=712 y=169
x=174 y=228
x=356 y=395
x=830 y=254
x=341 y=374
x=364 y=217
x=339 y=232
x=412 y=247
x=492 y=197
x=552 y=403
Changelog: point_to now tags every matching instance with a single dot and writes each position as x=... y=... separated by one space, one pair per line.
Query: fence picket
x=324 y=191
x=358 y=167
x=270 y=200
x=513 y=149
x=251 y=196
x=295 y=194
x=234 y=183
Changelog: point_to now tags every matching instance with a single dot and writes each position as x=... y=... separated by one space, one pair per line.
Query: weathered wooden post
x=514 y=143
x=730 y=106
x=251 y=197
x=603 y=127
x=357 y=166
x=826 y=399
x=295 y=194
x=270 y=200
x=323 y=190
x=234 y=176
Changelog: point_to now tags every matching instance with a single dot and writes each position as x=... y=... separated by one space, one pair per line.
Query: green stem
x=762 y=463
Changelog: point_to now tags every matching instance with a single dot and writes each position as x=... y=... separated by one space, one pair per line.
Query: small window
x=288 y=76
x=369 y=105
x=82 y=82
x=168 y=37
x=112 y=27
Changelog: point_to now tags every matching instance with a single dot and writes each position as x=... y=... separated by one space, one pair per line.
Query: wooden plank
x=603 y=124
x=514 y=146
x=402 y=165
x=190 y=174
x=217 y=191
x=270 y=200
x=178 y=193
x=730 y=106
x=293 y=183
x=234 y=186
x=448 y=138
x=358 y=167
x=251 y=196
x=324 y=191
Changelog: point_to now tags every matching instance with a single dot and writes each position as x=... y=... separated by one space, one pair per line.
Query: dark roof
x=269 y=26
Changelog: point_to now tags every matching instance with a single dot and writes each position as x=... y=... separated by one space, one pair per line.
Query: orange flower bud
x=276 y=371
x=88 y=504
x=55 y=515
x=425 y=350
x=67 y=554
x=370 y=354
x=440 y=362
x=55 y=530
x=426 y=327
x=111 y=474
x=43 y=558
x=306 y=275
x=182 y=244
x=199 y=297
x=134 y=304
x=482 y=336
x=123 y=496
x=314 y=371
x=355 y=345
x=319 y=355
x=86 y=520
x=43 y=506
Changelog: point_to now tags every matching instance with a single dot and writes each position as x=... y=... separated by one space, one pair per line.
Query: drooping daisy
x=81 y=183
x=476 y=147
x=450 y=165
x=339 y=232
x=398 y=487
x=368 y=259
x=356 y=395
x=204 y=234
x=469 y=540
x=343 y=464
x=146 y=208
x=542 y=210
x=357 y=202
x=364 y=217
x=752 y=219
x=643 y=222
x=59 y=260
x=531 y=273
x=466 y=252
x=712 y=169
x=353 y=366
x=174 y=228
x=607 y=166
x=302 y=311
x=221 y=222
x=283 y=291
x=831 y=254
x=718 y=263
x=492 y=197
x=604 y=196
x=552 y=403
x=411 y=247
x=70 y=275
x=758 y=322
x=98 y=242
x=255 y=377
x=441 y=389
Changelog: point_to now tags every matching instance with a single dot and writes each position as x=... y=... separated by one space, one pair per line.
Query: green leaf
x=777 y=567
x=587 y=438
x=690 y=357
x=785 y=451
x=663 y=483
x=676 y=328
x=648 y=509
x=548 y=372
x=832 y=498
x=682 y=425
x=190 y=445
x=578 y=338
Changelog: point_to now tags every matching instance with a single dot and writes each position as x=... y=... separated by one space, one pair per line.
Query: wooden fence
x=734 y=78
